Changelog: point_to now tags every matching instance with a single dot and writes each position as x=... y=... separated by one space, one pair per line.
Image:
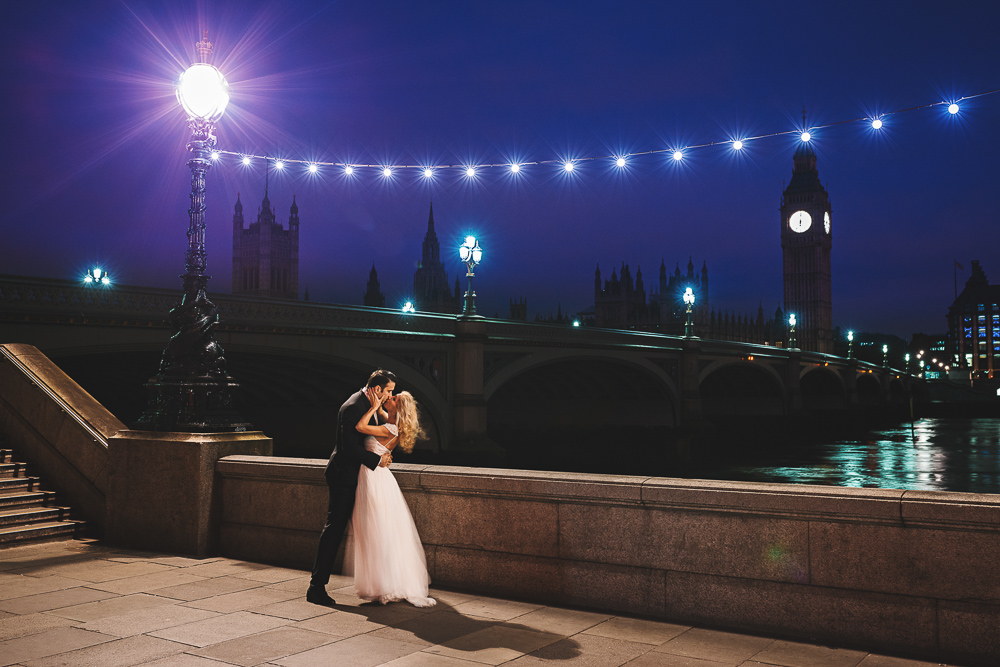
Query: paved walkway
x=82 y=603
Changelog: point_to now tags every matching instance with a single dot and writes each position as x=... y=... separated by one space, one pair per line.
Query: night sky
x=95 y=142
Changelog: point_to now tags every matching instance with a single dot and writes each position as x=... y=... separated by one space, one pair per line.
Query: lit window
x=982 y=332
x=982 y=319
x=982 y=307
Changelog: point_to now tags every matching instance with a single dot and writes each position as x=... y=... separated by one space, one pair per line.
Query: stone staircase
x=29 y=514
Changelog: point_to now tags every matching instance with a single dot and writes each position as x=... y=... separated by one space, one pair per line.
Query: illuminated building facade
x=265 y=254
x=974 y=325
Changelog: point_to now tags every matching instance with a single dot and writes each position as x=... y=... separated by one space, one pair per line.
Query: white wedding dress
x=389 y=560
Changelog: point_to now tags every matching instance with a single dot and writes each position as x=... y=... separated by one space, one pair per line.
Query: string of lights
x=876 y=122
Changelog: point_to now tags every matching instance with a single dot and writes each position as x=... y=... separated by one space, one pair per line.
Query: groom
x=349 y=454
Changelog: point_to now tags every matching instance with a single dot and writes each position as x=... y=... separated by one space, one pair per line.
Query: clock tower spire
x=806 y=240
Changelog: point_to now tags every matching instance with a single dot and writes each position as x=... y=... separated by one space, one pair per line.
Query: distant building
x=519 y=310
x=265 y=254
x=622 y=303
x=373 y=293
x=430 y=281
x=974 y=325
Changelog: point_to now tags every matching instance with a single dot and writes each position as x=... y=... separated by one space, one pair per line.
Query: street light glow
x=203 y=92
x=738 y=145
x=806 y=136
x=877 y=124
x=620 y=162
x=953 y=108
x=313 y=169
x=514 y=168
x=678 y=155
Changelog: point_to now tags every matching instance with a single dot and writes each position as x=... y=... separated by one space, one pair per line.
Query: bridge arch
x=730 y=388
x=869 y=390
x=822 y=389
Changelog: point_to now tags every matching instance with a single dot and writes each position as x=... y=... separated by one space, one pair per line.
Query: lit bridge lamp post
x=885 y=355
x=471 y=254
x=850 y=343
x=192 y=391
x=791 y=331
x=689 y=303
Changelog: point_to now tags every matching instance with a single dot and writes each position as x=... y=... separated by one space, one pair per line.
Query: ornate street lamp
x=791 y=331
x=471 y=254
x=97 y=276
x=885 y=354
x=850 y=343
x=192 y=391
x=689 y=302
x=906 y=357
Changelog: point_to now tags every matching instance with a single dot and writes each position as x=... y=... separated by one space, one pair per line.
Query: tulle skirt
x=389 y=560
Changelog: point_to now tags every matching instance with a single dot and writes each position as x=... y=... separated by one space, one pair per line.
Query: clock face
x=826 y=222
x=800 y=221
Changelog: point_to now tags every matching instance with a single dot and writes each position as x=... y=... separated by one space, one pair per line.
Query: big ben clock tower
x=805 y=249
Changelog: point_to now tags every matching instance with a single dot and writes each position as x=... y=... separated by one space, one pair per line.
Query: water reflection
x=936 y=454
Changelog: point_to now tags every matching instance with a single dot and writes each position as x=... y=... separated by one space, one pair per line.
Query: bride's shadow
x=444 y=627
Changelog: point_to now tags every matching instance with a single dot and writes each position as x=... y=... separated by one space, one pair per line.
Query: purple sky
x=96 y=161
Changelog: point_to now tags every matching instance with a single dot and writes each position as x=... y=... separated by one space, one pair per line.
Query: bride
x=389 y=561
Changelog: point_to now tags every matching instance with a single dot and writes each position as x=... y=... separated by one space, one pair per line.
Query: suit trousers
x=338 y=514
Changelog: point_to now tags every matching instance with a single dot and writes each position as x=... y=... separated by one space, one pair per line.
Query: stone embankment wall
x=905 y=571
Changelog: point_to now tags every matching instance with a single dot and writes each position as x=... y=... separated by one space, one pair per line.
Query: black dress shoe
x=318 y=595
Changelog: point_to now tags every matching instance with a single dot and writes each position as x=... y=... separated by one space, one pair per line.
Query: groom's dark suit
x=349 y=454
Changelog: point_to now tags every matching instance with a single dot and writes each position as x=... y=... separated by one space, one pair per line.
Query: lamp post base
x=191 y=405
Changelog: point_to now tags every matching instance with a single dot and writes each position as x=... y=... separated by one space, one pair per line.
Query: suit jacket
x=349 y=452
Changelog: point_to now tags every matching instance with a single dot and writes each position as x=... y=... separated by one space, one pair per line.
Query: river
x=937 y=454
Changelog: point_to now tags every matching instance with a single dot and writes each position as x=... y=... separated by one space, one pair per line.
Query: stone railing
x=901 y=571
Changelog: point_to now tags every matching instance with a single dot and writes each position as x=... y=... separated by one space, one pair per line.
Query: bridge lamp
x=408 y=307
x=471 y=254
x=192 y=391
x=906 y=357
x=97 y=276
x=791 y=331
x=885 y=355
x=689 y=303
x=850 y=343
x=576 y=323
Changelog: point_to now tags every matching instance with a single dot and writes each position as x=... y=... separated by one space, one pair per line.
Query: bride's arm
x=363 y=425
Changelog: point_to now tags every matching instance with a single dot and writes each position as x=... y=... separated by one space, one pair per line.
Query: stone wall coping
x=797 y=501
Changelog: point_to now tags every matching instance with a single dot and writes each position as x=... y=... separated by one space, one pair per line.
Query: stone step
x=41 y=532
x=13 y=469
x=22 y=516
x=24 y=498
x=6 y=455
x=19 y=483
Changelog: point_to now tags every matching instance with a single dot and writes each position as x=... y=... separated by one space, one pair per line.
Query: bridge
x=296 y=359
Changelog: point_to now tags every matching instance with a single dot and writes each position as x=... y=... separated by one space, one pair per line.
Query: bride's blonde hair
x=407 y=421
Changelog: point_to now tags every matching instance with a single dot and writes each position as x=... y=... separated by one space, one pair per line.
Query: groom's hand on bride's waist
x=386 y=460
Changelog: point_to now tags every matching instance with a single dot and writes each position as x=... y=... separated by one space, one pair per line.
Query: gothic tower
x=430 y=280
x=373 y=291
x=806 y=240
x=265 y=254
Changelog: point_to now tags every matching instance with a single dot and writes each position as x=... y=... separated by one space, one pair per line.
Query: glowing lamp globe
x=791 y=320
x=689 y=296
x=470 y=250
x=203 y=92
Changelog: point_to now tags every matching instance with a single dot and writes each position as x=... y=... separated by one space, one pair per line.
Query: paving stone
x=207 y=588
x=564 y=622
x=224 y=568
x=361 y=651
x=502 y=610
x=654 y=659
x=887 y=661
x=54 y=600
x=495 y=645
x=44 y=644
x=220 y=628
x=589 y=650
x=119 y=653
x=99 y=571
x=638 y=630
x=23 y=586
x=808 y=655
x=112 y=607
x=438 y=628
x=340 y=624
x=300 y=586
x=422 y=659
x=30 y=624
x=296 y=609
x=451 y=598
x=242 y=600
x=715 y=645
x=148 y=582
x=65 y=566
x=266 y=646
x=274 y=575
x=150 y=619
x=5 y=614
x=186 y=660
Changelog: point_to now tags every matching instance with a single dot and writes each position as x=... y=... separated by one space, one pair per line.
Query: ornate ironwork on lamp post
x=689 y=302
x=791 y=332
x=192 y=391
x=471 y=254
